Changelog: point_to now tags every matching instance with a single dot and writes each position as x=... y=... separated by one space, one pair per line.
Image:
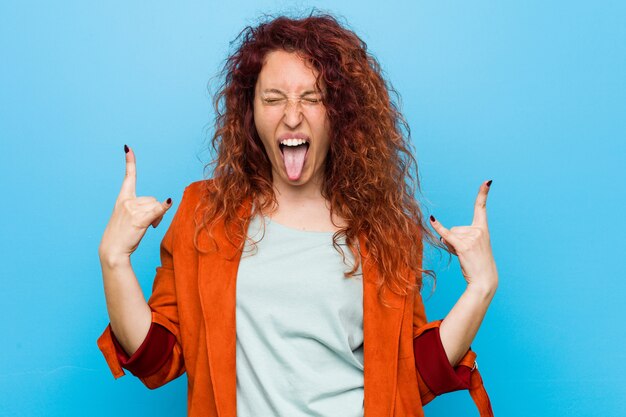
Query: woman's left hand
x=472 y=245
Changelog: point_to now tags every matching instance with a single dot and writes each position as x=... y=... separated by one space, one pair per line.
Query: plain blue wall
x=531 y=94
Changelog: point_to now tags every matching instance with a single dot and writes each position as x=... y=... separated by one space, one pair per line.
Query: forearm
x=459 y=328
x=129 y=313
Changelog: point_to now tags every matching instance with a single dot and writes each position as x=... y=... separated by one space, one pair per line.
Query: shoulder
x=192 y=197
x=200 y=186
x=197 y=189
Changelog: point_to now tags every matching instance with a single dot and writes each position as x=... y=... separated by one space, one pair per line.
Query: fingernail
x=489 y=183
x=169 y=201
x=125 y=149
x=432 y=219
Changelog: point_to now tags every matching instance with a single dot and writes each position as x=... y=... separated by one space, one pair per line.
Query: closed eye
x=282 y=100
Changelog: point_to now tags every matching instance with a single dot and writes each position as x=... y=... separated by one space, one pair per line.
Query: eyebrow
x=306 y=93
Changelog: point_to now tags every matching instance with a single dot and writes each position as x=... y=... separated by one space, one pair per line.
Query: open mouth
x=282 y=147
x=294 y=153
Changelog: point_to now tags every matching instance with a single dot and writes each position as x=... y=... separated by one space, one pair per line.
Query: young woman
x=289 y=281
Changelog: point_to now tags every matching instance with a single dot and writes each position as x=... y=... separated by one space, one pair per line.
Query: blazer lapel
x=217 y=278
x=381 y=339
x=217 y=286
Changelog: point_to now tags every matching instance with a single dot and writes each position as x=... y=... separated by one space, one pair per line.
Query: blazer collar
x=217 y=286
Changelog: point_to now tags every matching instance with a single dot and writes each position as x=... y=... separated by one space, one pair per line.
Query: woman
x=290 y=281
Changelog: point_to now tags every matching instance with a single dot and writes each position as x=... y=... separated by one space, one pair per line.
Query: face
x=288 y=110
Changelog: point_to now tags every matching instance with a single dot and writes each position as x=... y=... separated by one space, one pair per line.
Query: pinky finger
x=156 y=222
x=165 y=206
x=439 y=228
x=448 y=238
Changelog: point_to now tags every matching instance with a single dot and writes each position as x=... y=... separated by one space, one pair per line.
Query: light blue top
x=299 y=326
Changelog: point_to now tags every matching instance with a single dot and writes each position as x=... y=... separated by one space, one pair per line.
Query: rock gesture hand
x=472 y=245
x=131 y=216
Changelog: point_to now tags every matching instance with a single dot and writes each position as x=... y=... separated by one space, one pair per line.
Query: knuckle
x=144 y=216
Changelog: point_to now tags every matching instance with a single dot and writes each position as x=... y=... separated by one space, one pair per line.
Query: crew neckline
x=293 y=229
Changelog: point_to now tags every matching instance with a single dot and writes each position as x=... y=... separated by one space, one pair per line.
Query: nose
x=293 y=113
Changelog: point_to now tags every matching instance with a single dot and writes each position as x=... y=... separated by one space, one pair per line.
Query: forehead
x=286 y=71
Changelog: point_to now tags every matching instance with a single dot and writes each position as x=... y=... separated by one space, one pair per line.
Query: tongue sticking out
x=293 y=156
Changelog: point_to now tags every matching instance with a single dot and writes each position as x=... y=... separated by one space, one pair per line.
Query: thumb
x=166 y=206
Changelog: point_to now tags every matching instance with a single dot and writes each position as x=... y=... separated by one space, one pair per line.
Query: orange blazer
x=193 y=297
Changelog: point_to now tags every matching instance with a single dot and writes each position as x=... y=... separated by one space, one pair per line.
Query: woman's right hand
x=131 y=217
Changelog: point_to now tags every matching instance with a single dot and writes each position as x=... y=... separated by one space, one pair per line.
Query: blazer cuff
x=435 y=368
x=153 y=353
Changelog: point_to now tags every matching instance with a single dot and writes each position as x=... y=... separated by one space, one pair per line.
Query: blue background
x=531 y=94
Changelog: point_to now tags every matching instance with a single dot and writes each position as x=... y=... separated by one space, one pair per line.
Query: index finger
x=480 y=207
x=130 y=180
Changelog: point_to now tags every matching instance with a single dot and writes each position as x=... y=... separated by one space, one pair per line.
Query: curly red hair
x=370 y=173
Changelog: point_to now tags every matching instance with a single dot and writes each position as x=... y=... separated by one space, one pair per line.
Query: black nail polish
x=489 y=183
x=432 y=219
x=169 y=201
x=125 y=149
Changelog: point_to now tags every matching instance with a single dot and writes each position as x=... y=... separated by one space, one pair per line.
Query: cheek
x=261 y=126
x=323 y=130
x=257 y=119
x=266 y=129
x=264 y=121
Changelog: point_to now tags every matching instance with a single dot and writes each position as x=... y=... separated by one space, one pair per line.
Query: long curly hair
x=370 y=173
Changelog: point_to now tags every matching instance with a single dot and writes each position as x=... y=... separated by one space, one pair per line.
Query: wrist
x=113 y=261
x=481 y=290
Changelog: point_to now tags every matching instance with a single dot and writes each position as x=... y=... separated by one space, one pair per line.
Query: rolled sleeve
x=153 y=353
x=434 y=367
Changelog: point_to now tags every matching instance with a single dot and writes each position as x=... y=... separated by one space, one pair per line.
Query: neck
x=301 y=194
x=303 y=206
